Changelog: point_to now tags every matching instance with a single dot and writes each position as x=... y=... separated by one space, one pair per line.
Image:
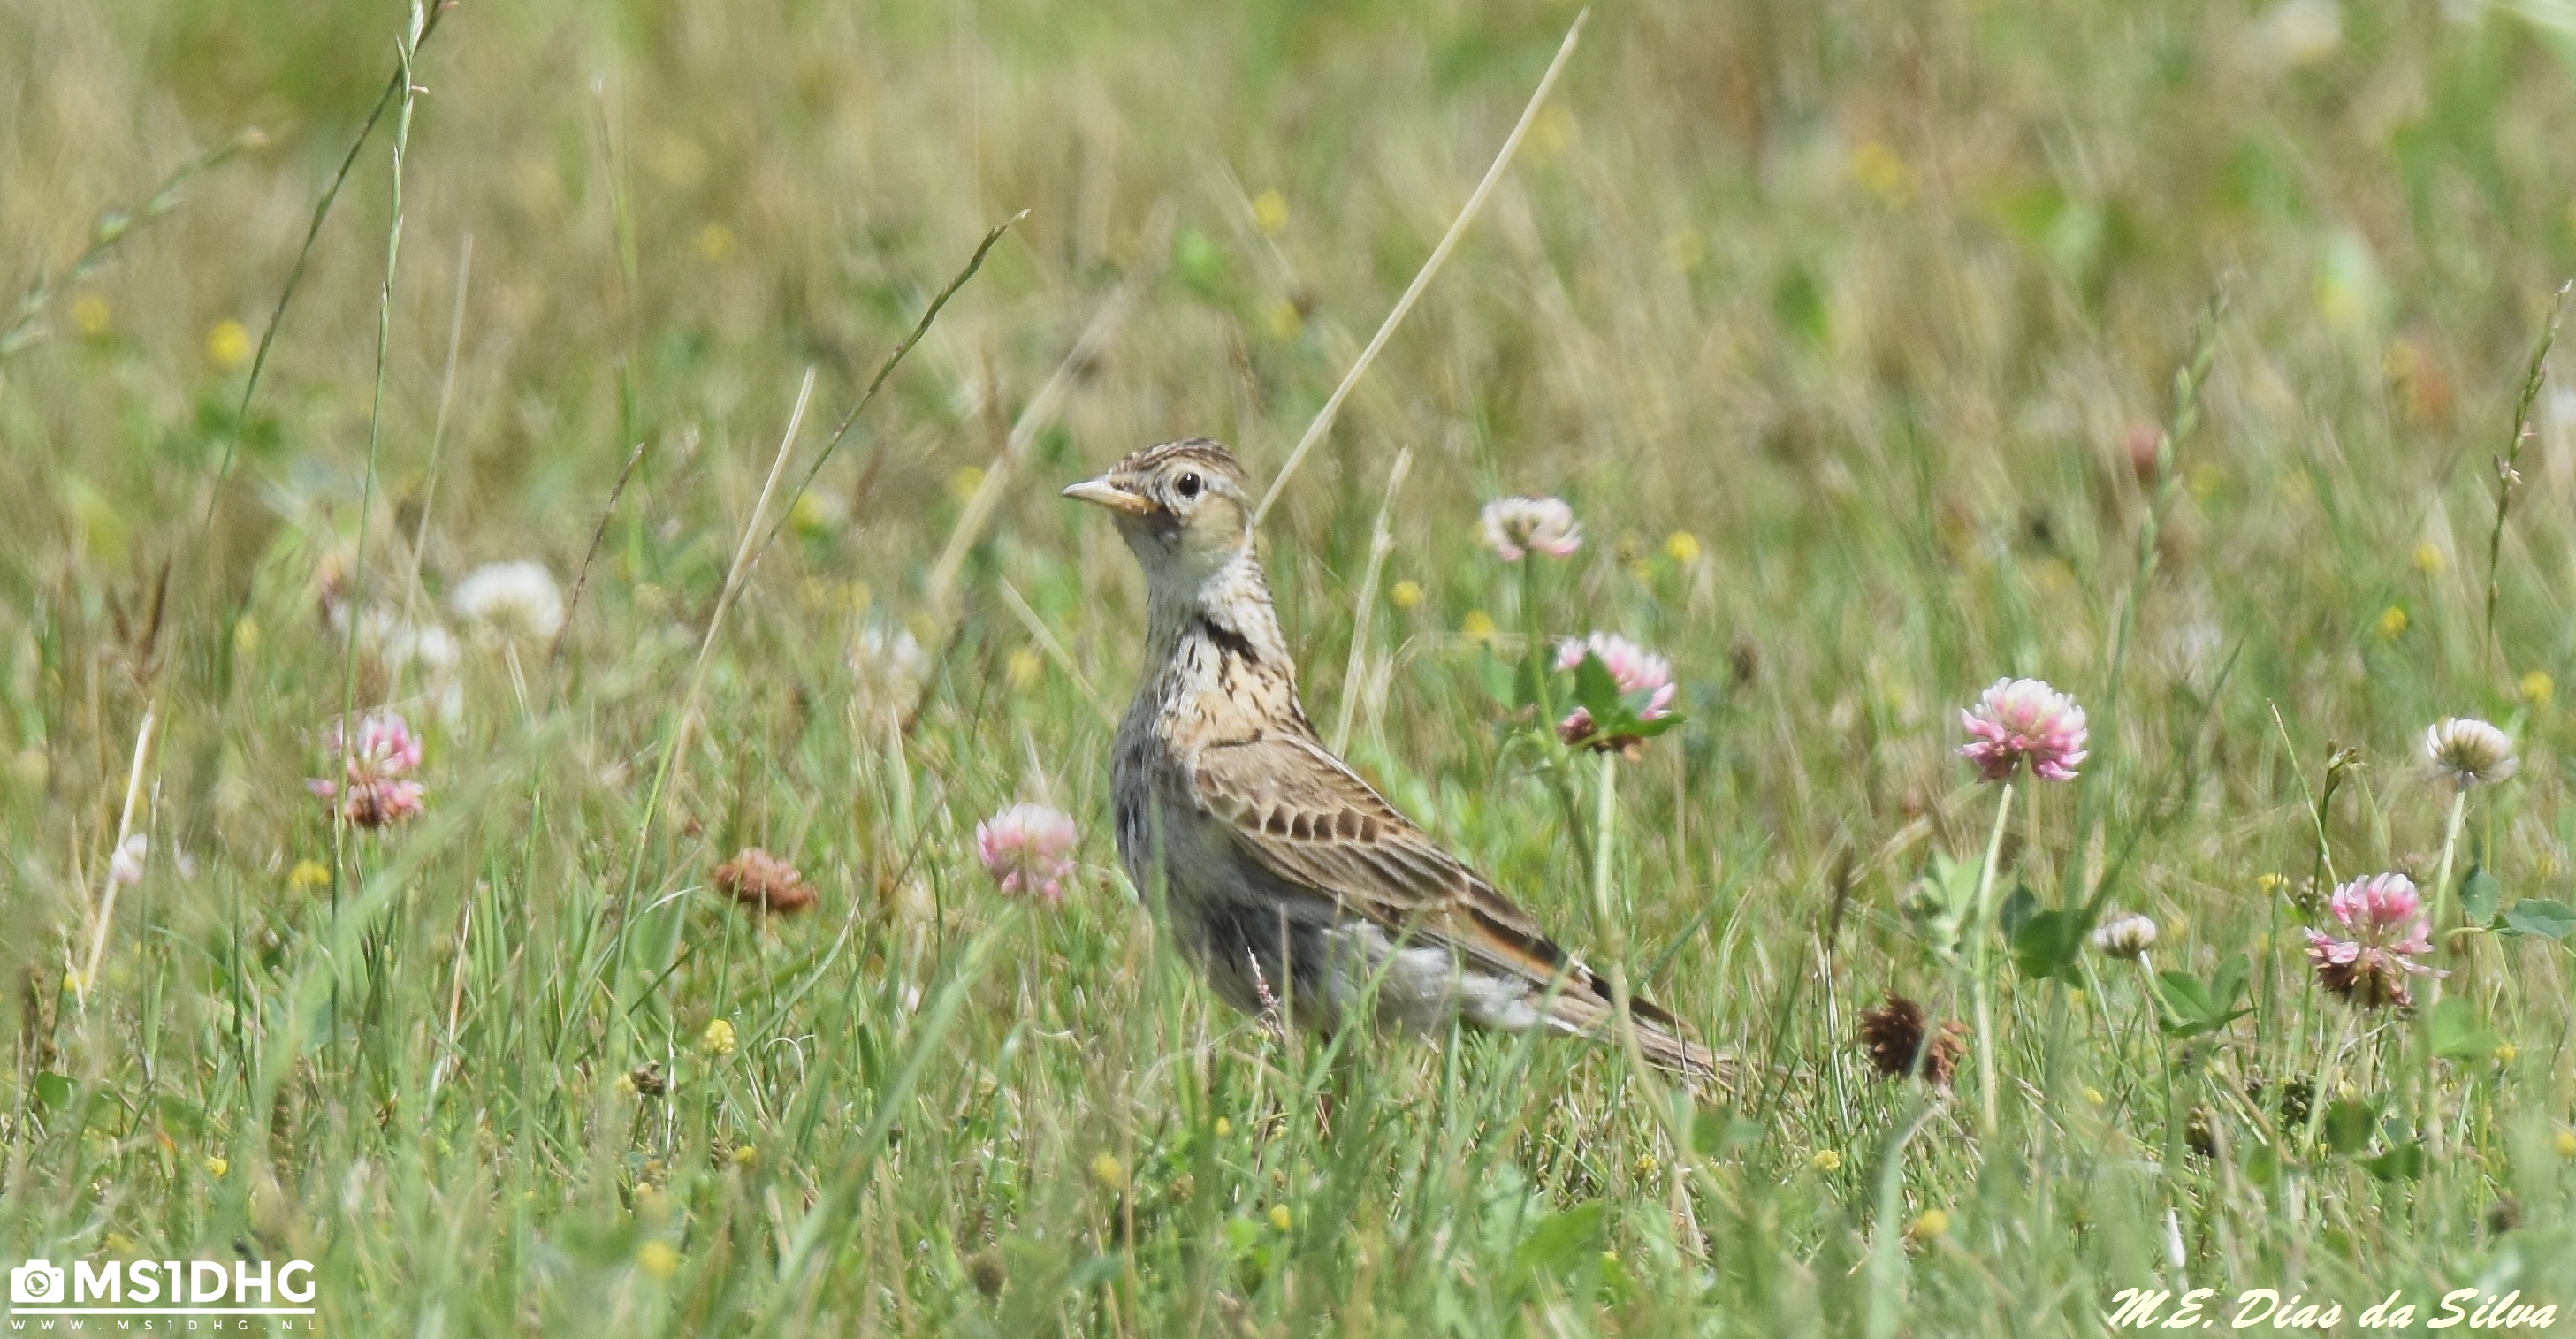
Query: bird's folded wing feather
x=1307 y=818
x=1303 y=815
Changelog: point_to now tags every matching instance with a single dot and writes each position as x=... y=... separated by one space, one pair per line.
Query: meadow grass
x=2166 y=352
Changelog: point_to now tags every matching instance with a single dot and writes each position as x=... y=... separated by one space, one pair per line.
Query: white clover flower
x=2127 y=936
x=2300 y=32
x=2470 y=752
x=509 y=602
x=428 y=645
x=890 y=667
x=125 y=868
x=399 y=647
x=1516 y=525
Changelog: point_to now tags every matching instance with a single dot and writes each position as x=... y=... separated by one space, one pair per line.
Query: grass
x=1876 y=349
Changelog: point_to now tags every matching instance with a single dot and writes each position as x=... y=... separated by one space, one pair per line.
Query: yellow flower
x=216 y=1167
x=246 y=637
x=1826 y=1160
x=1279 y=1217
x=2506 y=1053
x=1682 y=547
x=2538 y=688
x=2094 y=1095
x=963 y=483
x=1109 y=1171
x=2567 y=1144
x=1645 y=1167
x=1024 y=667
x=1270 y=210
x=2392 y=623
x=90 y=315
x=2269 y=882
x=718 y=1039
x=1477 y=624
x=1224 y=1127
x=1685 y=250
x=1933 y=1223
x=745 y=1155
x=117 y=1243
x=2428 y=558
x=1284 y=320
x=1405 y=594
x=658 y=1259
x=308 y=873
x=227 y=345
x=816 y=512
x=1880 y=172
x=715 y=243
x=625 y=1085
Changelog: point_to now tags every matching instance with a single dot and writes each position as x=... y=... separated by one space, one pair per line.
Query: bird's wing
x=1305 y=816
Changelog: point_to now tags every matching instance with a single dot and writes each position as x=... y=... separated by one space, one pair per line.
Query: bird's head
x=1181 y=506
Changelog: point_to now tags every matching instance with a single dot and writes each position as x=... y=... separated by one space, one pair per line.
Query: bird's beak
x=1103 y=493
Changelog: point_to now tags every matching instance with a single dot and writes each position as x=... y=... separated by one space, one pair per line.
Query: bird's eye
x=1187 y=485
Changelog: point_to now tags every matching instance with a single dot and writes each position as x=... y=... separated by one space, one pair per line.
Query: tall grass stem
x=1323 y=420
x=1981 y=968
x=124 y=828
x=1381 y=543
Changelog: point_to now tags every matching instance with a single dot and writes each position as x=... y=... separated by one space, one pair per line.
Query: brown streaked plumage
x=1284 y=874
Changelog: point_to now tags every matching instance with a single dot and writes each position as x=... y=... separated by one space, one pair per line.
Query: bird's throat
x=1219 y=635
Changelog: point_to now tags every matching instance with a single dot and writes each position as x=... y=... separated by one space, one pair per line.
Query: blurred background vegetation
x=1849 y=330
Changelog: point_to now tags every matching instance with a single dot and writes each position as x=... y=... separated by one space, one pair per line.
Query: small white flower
x=429 y=645
x=402 y=649
x=1516 y=525
x=2469 y=752
x=890 y=667
x=2126 y=935
x=2300 y=32
x=510 y=602
x=125 y=868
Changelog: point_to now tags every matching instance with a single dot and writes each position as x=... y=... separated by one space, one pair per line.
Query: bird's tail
x=1583 y=1008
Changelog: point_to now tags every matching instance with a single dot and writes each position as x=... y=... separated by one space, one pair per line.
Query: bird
x=1285 y=878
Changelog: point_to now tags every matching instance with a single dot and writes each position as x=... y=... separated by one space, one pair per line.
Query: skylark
x=1286 y=877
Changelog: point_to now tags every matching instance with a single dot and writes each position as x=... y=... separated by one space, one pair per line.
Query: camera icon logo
x=36 y=1281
